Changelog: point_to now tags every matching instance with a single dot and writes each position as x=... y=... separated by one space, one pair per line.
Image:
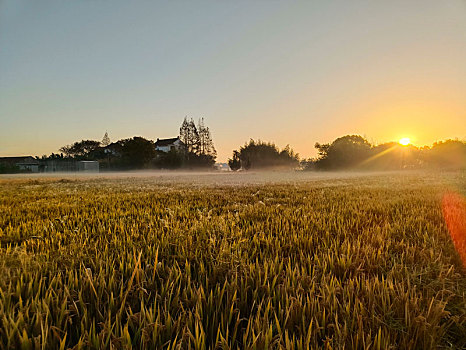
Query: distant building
x=89 y=166
x=58 y=165
x=22 y=164
x=166 y=145
x=222 y=166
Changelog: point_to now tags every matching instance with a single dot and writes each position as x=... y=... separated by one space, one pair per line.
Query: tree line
x=352 y=152
x=259 y=154
x=197 y=150
x=355 y=152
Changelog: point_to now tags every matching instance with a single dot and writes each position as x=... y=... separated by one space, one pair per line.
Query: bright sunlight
x=405 y=141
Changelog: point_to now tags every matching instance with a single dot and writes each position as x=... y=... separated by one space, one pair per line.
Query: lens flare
x=454 y=213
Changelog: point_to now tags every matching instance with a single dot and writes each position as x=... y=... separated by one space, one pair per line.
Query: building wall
x=88 y=166
x=33 y=168
x=59 y=165
x=163 y=148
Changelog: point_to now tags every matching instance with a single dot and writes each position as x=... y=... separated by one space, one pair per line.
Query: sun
x=405 y=141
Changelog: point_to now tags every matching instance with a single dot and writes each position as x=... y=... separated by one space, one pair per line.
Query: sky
x=290 y=72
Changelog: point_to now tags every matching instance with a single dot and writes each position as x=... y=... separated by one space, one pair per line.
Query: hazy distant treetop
x=105 y=140
x=447 y=154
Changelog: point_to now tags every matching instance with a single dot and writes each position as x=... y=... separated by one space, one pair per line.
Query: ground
x=247 y=260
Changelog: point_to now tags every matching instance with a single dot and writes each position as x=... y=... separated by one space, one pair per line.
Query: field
x=230 y=261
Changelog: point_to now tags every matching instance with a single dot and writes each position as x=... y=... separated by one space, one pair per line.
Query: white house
x=166 y=145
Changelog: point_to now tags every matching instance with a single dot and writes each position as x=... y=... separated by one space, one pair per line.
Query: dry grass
x=355 y=262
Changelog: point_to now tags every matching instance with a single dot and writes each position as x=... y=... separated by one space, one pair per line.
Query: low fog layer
x=209 y=178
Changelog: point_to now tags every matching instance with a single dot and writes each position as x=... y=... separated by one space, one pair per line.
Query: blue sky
x=290 y=72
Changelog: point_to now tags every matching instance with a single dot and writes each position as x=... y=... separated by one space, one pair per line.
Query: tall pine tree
x=206 y=145
x=105 y=141
x=190 y=136
x=200 y=150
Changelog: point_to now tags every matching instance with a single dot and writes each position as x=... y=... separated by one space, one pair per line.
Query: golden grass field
x=238 y=261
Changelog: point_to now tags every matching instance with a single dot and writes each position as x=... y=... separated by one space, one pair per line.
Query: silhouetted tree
x=189 y=136
x=80 y=149
x=355 y=152
x=172 y=159
x=200 y=150
x=235 y=162
x=345 y=152
x=448 y=154
x=322 y=149
x=136 y=152
x=206 y=146
x=254 y=155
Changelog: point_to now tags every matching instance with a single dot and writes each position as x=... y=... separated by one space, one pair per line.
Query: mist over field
x=219 y=178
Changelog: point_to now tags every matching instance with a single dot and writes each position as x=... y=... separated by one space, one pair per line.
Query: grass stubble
x=358 y=262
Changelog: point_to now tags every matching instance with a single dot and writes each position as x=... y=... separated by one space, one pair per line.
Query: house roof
x=166 y=142
x=19 y=160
